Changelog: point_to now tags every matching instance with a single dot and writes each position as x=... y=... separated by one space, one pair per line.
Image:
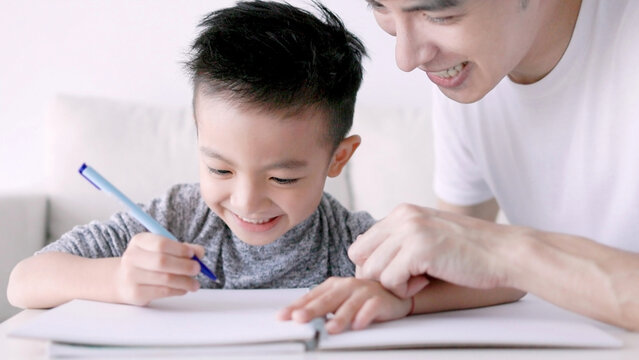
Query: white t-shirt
x=561 y=154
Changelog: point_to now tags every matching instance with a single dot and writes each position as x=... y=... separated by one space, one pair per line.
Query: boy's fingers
x=300 y=303
x=144 y=294
x=159 y=279
x=344 y=315
x=157 y=243
x=164 y=263
x=367 y=313
x=319 y=306
x=198 y=250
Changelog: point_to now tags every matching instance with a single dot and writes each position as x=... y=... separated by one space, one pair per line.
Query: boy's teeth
x=254 y=221
x=450 y=72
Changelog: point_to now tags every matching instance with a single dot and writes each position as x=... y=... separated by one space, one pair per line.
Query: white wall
x=133 y=50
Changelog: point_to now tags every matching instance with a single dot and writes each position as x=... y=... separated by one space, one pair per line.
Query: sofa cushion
x=394 y=163
x=142 y=149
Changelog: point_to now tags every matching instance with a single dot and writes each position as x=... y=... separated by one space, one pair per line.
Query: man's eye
x=439 y=19
x=374 y=5
x=284 y=181
x=219 y=172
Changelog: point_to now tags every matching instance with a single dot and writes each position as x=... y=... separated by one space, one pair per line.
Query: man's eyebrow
x=433 y=5
x=284 y=164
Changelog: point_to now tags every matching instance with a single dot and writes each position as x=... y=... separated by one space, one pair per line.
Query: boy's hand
x=154 y=267
x=354 y=302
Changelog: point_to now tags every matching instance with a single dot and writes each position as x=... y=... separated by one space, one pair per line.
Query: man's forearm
x=578 y=274
x=51 y=279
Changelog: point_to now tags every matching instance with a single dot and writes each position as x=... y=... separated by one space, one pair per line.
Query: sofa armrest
x=23 y=220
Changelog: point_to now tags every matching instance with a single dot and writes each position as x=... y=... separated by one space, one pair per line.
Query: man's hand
x=154 y=267
x=413 y=242
x=354 y=302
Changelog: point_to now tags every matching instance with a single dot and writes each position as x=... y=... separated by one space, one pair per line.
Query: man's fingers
x=395 y=277
x=416 y=284
x=378 y=260
x=366 y=243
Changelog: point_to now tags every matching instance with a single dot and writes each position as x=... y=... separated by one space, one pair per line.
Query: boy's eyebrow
x=284 y=164
x=212 y=154
x=287 y=164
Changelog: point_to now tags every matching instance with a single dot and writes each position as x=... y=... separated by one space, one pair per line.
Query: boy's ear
x=342 y=154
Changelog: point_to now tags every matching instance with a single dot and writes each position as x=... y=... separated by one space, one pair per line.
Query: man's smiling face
x=466 y=47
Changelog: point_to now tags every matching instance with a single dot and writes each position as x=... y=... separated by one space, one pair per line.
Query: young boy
x=274 y=95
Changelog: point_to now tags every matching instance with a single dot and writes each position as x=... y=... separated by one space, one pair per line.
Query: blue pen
x=103 y=184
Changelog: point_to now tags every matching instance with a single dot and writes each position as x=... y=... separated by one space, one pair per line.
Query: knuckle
x=165 y=291
x=195 y=268
x=405 y=209
x=162 y=245
x=161 y=261
x=165 y=278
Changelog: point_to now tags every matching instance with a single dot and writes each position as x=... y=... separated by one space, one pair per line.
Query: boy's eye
x=284 y=181
x=219 y=172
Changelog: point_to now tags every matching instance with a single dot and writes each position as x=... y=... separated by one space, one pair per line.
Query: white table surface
x=15 y=348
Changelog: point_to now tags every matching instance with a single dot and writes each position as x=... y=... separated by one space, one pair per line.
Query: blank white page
x=206 y=317
x=529 y=322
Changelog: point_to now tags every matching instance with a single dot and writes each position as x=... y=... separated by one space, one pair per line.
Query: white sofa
x=144 y=149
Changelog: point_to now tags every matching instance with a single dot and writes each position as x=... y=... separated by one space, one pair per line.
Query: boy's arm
x=356 y=302
x=51 y=279
x=151 y=267
x=442 y=296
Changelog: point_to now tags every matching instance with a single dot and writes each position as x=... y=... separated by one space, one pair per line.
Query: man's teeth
x=450 y=72
x=255 y=221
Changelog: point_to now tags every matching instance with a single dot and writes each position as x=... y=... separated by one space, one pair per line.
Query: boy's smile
x=261 y=171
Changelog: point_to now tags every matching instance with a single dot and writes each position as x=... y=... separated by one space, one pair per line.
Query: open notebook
x=224 y=321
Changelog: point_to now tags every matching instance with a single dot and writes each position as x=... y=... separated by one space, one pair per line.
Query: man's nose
x=412 y=48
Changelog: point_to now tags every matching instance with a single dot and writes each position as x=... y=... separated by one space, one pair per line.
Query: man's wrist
x=517 y=251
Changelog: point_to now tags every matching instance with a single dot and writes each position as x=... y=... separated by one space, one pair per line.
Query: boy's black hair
x=278 y=57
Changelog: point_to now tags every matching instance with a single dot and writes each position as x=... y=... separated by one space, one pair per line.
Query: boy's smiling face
x=261 y=171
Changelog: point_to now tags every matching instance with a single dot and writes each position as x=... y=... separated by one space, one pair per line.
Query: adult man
x=539 y=118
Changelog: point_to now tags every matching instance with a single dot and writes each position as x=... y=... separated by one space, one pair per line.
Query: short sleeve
x=100 y=239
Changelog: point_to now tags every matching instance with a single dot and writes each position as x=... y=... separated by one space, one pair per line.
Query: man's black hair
x=279 y=57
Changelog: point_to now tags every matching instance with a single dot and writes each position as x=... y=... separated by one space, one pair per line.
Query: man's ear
x=342 y=154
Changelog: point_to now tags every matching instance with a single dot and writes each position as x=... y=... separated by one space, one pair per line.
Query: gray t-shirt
x=305 y=256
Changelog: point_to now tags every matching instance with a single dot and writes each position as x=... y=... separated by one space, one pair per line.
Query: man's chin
x=463 y=96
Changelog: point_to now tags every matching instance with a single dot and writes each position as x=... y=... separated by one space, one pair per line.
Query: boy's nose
x=412 y=48
x=248 y=198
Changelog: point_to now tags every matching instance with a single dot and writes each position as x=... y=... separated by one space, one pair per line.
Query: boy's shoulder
x=335 y=211
x=182 y=199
